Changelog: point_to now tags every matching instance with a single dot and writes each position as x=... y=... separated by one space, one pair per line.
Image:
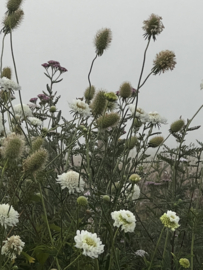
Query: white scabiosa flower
x=125 y=219
x=18 y=110
x=8 y=217
x=71 y=181
x=140 y=113
x=170 y=220
x=172 y=216
x=35 y=121
x=156 y=118
x=141 y=253
x=7 y=84
x=132 y=192
x=12 y=247
x=89 y=243
x=79 y=106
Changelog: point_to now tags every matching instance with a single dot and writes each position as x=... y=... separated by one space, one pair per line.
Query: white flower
x=125 y=219
x=18 y=110
x=90 y=243
x=12 y=246
x=35 y=121
x=201 y=85
x=156 y=118
x=140 y=113
x=172 y=216
x=80 y=107
x=8 y=218
x=7 y=84
x=141 y=253
x=71 y=181
x=132 y=192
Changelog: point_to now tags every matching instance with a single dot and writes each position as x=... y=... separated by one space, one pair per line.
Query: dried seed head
x=98 y=104
x=13 y=5
x=36 y=161
x=131 y=142
x=156 y=141
x=13 y=20
x=102 y=40
x=37 y=143
x=6 y=72
x=108 y=120
x=177 y=125
x=13 y=147
x=89 y=93
x=125 y=90
x=164 y=60
x=153 y=26
x=82 y=201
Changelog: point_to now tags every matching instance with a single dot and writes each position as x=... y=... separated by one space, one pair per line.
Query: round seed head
x=89 y=93
x=153 y=26
x=13 y=147
x=13 y=5
x=108 y=120
x=185 y=263
x=98 y=104
x=36 y=161
x=52 y=109
x=156 y=141
x=102 y=40
x=6 y=72
x=165 y=60
x=82 y=201
x=106 y=198
x=13 y=20
x=125 y=90
x=177 y=125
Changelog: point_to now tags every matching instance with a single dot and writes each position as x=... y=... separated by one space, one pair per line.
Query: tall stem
x=2 y=51
x=90 y=72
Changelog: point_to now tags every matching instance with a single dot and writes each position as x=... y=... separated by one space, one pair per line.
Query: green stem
x=192 y=248
x=96 y=264
x=2 y=51
x=165 y=245
x=157 y=245
x=112 y=248
x=73 y=262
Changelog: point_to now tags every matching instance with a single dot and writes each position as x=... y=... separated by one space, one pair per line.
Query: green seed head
x=13 y=147
x=177 y=125
x=106 y=198
x=37 y=143
x=36 y=161
x=52 y=109
x=131 y=142
x=98 y=104
x=102 y=40
x=125 y=90
x=89 y=93
x=185 y=263
x=13 y=20
x=156 y=141
x=13 y=5
x=108 y=120
x=6 y=73
x=82 y=201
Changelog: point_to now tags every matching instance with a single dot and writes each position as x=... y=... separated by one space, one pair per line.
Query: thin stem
x=112 y=248
x=192 y=247
x=72 y=262
x=90 y=73
x=2 y=51
x=165 y=245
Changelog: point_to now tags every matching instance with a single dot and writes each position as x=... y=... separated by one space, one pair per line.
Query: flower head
x=155 y=118
x=125 y=219
x=72 y=181
x=153 y=26
x=13 y=147
x=18 y=110
x=141 y=253
x=90 y=243
x=12 y=246
x=35 y=121
x=7 y=84
x=164 y=60
x=134 y=178
x=185 y=263
x=140 y=113
x=8 y=216
x=33 y=100
x=170 y=220
x=79 y=106
x=132 y=192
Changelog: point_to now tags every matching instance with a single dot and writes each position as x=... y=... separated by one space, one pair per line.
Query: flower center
x=124 y=220
x=81 y=106
x=90 y=242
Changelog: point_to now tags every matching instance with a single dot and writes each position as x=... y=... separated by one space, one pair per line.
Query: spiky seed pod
x=6 y=73
x=102 y=40
x=164 y=60
x=82 y=201
x=108 y=120
x=153 y=26
x=98 y=104
x=137 y=123
x=37 y=143
x=13 y=147
x=89 y=93
x=156 y=141
x=13 y=5
x=36 y=161
x=177 y=125
x=131 y=142
x=13 y=20
x=125 y=90
x=111 y=97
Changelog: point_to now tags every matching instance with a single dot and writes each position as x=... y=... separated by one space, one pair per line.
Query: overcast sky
x=64 y=30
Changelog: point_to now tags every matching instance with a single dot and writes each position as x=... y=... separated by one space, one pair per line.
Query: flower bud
x=13 y=20
x=156 y=141
x=111 y=97
x=108 y=120
x=185 y=263
x=98 y=104
x=164 y=60
x=106 y=198
x=134 y=178
x=153 y=26
x=89 y=93
x=137 y=123
x=82 y=201
x=13 y=5
x=6 y=72
x=52 y=109
x=36 y=161
x=125 y=90
x=131 y=142
x=102 y=40
x=37 y=143
x=177 y=125
x=13 y=147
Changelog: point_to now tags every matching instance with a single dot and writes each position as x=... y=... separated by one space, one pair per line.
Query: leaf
x=28 y=257
x=54 y=227
x=47 y=75
x=58 y=117
x=57 y=81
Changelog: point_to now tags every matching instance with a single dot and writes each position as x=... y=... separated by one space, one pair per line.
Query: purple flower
x=52 y=62
x=117 y=93
x=62 y=69
x=33 y=100
x=41 y=96
x=45 y=65
x=134 y=91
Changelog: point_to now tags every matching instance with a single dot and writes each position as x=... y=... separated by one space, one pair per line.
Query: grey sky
x=63 y=30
